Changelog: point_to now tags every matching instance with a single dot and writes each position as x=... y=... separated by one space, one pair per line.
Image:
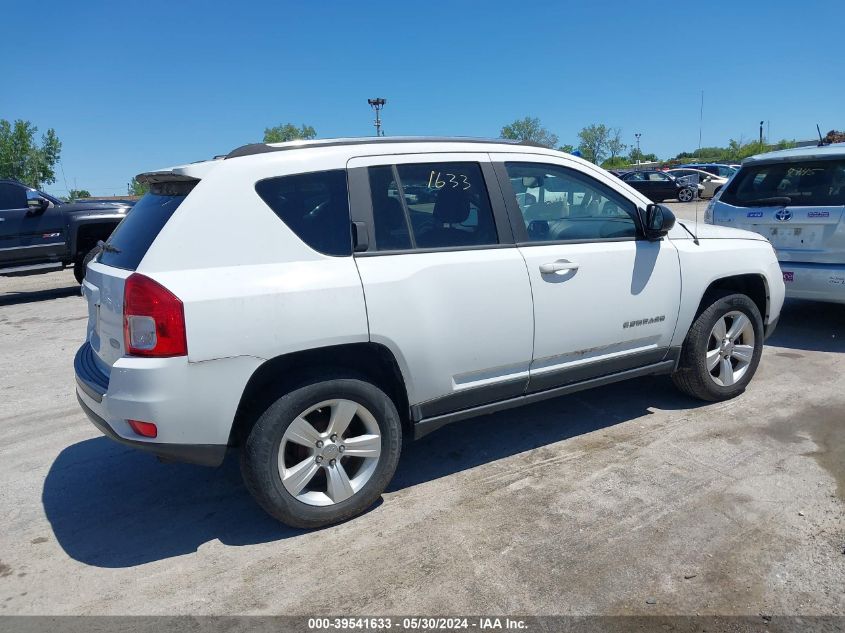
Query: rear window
x=315 y=206
x=804 y=183
x=133 y=237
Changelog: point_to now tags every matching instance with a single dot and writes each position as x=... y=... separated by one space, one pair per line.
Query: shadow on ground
x=113 y=506
x=16 y=298
x=811 y=326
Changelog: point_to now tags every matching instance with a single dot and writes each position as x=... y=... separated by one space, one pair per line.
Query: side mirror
x=657 y=221
x=36 y=202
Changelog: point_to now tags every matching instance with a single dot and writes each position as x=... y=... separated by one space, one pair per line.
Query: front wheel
x=722 y=349
x=686 y=194
x=323 y=453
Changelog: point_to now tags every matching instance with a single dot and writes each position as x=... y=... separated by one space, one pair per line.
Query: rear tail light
x=147 y=429
x=153 y=319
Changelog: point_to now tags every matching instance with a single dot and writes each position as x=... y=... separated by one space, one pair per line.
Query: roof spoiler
x=151 y=177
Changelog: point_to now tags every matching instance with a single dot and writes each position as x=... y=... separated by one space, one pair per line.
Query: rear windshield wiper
x=108 y=248
x=769 y=202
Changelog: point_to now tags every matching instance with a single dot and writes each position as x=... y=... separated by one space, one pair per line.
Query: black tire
x=259 y=455
x=692 y=376
x=81 y=264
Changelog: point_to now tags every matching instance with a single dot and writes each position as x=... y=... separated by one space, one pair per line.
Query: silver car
x=796 y=199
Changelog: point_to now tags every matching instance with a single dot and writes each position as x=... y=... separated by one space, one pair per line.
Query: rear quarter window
x=805 y=183
x=315 y=206
x=133 y=237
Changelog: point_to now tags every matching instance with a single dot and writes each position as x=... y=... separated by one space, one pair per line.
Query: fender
x=77 y=220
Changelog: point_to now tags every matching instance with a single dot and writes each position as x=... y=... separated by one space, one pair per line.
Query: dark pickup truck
x=40 y=234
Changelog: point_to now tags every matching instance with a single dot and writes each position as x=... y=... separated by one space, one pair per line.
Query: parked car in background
x=41 y=234
x=795 y=198
x=717 y=169
x=710 y=184
x=658 y=185
x=338 y=316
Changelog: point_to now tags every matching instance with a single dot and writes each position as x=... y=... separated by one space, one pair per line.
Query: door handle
x=558 y=266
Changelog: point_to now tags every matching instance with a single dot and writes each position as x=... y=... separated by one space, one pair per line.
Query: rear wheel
x=686 y=194
x=81 y=263
x=323 y=453
x=722 y=349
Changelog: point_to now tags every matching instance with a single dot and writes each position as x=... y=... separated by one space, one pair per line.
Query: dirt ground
x=629 y=499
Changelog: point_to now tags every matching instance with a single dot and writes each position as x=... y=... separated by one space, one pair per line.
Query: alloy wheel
x=329 y=452
x=730 y=348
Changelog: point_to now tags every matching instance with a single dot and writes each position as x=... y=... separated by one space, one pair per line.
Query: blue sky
x=134 y=86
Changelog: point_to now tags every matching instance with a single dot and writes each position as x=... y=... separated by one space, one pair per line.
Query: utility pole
x=377 y=104
x=639 y=155
x=761 y=133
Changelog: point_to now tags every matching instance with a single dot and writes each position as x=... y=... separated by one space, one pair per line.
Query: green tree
x=615 y=146
x=22 y=158
x=637 y=156
x=615 y=163
x=566 y=148
x=593 y=142
x=75 y=194
x=529 y=129
x=288 y=132
x=135 y=188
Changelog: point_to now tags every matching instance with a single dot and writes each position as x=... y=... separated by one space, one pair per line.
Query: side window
x=433 y=205
x=315 y=206
x=12 y=196
x=637 y=176
x=562 y=204
x=657 y=176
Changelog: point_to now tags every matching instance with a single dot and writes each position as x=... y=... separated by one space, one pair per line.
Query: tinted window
x=657 y=176
x=315 y=206
x=133 y=237
x=391 y=225
x=445 y=204
x=635 y=176
x=12 y=196
x=562 y=204
x=817 y=183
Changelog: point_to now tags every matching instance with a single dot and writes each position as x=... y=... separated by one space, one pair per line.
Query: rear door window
x=315 y=206
x=444 y=204
x=133 y=237
x=801 y=184
x=12 y=197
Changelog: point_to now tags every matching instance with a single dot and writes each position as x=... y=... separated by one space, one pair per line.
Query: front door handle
x=558 y=266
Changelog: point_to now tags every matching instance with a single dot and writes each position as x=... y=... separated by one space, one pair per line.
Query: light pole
x=377 y=104
x=761 y=133
x=638 y=135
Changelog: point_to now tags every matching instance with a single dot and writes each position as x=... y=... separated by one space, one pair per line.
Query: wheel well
x=370 y=361
x=88 y=235
x=751 y=285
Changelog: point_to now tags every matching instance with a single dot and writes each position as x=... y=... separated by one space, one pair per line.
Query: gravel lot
x=599 y=503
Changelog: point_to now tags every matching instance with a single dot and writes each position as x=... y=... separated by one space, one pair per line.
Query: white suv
x=316 y=303
x=796 y=199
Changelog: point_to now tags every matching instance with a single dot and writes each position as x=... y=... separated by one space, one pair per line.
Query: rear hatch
x=104 y=280
x=796 y=204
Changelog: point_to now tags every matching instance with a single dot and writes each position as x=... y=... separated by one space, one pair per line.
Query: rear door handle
x=558 y=266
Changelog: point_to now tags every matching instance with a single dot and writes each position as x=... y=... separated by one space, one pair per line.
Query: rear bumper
x=817 y=282
x=202 y=454
x=193 y=405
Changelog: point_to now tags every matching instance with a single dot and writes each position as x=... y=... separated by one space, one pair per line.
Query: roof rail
x=262 y=148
